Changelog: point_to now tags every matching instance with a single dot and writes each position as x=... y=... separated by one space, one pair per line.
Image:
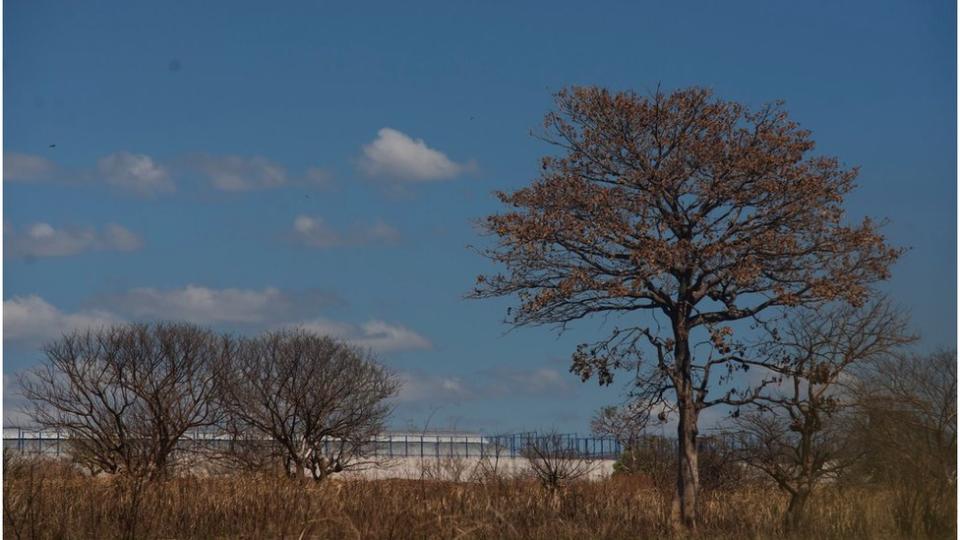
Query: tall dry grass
x=45 y=499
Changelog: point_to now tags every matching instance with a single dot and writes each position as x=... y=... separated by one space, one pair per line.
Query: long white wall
x=460 y=468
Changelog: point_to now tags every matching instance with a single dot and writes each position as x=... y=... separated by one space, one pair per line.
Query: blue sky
x=247 y=166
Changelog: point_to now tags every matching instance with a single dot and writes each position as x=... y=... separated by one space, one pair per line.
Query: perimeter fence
x=388 y=445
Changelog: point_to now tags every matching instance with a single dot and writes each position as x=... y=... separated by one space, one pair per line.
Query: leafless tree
x=555 y=460
x=907 y=425
x=798 y=433
x=625 y=424
x=317 y=400
x=125 y=396
x=695 y=211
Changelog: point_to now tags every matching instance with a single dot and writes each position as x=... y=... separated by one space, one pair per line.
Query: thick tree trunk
x=794 y=515
x=684 y=512
x=688 y=473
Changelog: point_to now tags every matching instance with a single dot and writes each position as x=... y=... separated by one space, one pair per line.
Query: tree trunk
x=794 y=515
x=684 y=511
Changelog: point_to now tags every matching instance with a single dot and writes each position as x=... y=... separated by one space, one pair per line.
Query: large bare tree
x=798 y=432
x=125 y=396
x=315 y=400
x=694 y=209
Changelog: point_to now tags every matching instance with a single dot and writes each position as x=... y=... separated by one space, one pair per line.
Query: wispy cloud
x=203 y=305
x=397 y=156
x=44 y=240
x=376 y=335
x=313 y=231
x=19 y=167
x=421 y=387
x=146 y=176
x=239 y=173
x=137 y=173
x=495 y=383
x=31 y=319
x=541 y=381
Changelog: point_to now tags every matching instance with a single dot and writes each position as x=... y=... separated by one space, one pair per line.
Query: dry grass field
x=49 y=500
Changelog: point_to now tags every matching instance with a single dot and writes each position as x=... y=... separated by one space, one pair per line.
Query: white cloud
x=26 y=167
x=426 y=387
x=433 y=388
x=396 y=155
x=135 y=172
x=203 y=305
x=237 y=173
x=44 y=240
x=384 y=337
x=315 y=232
x=376 y=335
x=533 y=382
x=120 y=238
x=32 y=320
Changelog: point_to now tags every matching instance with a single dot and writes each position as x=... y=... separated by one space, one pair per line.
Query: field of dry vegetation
x=45 y=499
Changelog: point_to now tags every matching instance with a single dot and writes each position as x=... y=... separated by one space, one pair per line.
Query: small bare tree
x=555 y=460
x=907 y=425
x=318 y=400
x=797 y=435
x=124 y=396
x=625 y=424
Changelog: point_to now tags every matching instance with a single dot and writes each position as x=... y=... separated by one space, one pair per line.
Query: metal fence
x=394 y=444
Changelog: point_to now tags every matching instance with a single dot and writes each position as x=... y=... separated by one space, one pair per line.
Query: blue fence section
x=422 y=445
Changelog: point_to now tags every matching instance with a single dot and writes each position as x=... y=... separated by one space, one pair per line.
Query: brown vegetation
x=44 y=500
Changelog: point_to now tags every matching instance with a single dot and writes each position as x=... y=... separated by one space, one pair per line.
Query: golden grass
x=45 y=500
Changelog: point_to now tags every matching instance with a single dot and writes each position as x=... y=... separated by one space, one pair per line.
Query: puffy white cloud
x=31 y=320
x=315 y=232
x=135 y=172
x=19 y=167
x=44 y=240
x=203 y=305
x=396 y=155
x=238 y=173
x=376 y=335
